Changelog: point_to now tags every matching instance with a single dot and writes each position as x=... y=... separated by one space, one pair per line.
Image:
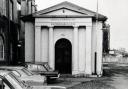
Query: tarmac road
x=115 y=77
x=119 y=75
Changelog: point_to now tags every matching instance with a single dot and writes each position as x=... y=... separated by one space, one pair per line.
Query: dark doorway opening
x=63 y=56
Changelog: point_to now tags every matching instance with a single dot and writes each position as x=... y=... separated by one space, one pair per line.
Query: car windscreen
x=36 y=67
x=16 y=73
x=29 y=73
x=41 y=68
x=18 y=84
x=47 y=67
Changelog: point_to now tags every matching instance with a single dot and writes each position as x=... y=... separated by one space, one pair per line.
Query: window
x=17 y=73
x=6 y=86
x=41 y=68
x=18 y=6
x=14 y=81
x=1 y=49
x=29 y=73
x=11 y=10
x=4 y=7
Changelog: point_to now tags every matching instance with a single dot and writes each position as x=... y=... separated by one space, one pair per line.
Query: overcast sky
x=115 y=10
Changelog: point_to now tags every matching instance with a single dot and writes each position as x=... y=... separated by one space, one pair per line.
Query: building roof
x=69 y=6
x=11 y=67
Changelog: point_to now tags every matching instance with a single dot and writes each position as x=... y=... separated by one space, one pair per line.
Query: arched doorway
x=63 y=56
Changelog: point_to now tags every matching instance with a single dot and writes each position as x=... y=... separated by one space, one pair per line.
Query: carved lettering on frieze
x=61 y=19
x=62 y=23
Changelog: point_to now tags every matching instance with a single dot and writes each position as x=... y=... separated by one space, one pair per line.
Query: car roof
x=37 y=63
x=11 y=67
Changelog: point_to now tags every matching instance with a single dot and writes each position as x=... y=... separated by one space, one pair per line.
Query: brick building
x=9 y=31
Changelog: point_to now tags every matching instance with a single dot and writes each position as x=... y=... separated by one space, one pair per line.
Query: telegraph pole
x=95 y=65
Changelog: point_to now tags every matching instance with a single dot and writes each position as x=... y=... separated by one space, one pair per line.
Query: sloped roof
x=70 y=6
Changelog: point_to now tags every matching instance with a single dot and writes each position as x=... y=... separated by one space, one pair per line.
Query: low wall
x=115 y=59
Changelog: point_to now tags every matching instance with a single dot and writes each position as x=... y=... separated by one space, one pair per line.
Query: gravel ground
x=115 y=77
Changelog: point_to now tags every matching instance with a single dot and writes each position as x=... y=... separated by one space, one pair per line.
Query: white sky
x=115 y=10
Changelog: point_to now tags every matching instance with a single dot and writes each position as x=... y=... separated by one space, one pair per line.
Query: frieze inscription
x=62 y=23
x=61 y=19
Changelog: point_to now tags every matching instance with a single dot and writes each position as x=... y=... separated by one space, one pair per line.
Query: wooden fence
x=115 y=59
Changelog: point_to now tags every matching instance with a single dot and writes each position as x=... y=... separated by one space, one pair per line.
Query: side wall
x=29 y=42
x=44 y=44
x=99 y=48
x=97 y=43
x=82 y=49
x=93 y=47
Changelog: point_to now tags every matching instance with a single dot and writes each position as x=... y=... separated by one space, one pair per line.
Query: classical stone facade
x=66 y=36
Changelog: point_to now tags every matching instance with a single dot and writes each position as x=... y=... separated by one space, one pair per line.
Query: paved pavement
x=115 y=77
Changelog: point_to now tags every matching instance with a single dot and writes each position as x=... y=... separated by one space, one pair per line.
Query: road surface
x=115 y=77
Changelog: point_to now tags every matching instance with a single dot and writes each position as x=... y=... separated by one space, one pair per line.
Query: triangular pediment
x=65 y=8
x=63 y=11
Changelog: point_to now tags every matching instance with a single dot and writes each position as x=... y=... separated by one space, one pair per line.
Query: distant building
x=9 y=31
x=119 y=52
x=27 y=7
x=67 y=37
x=106 y=38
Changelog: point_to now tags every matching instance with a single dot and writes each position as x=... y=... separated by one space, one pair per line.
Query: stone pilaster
x=37 y=43
x=88 y=49
x=75 y=51
x=51 y=48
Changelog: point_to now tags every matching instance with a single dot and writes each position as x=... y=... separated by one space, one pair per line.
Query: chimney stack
x=23 y=7
x=31 y=6
x=28 y=7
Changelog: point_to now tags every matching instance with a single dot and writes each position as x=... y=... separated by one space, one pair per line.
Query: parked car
x=43 y=69
x=8 y=80
x=27 y=76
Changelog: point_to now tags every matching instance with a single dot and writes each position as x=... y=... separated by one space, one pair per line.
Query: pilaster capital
x=50 y=29
x=37 y=27
x=88 y=27
x=50 y=26
x=75 y=26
